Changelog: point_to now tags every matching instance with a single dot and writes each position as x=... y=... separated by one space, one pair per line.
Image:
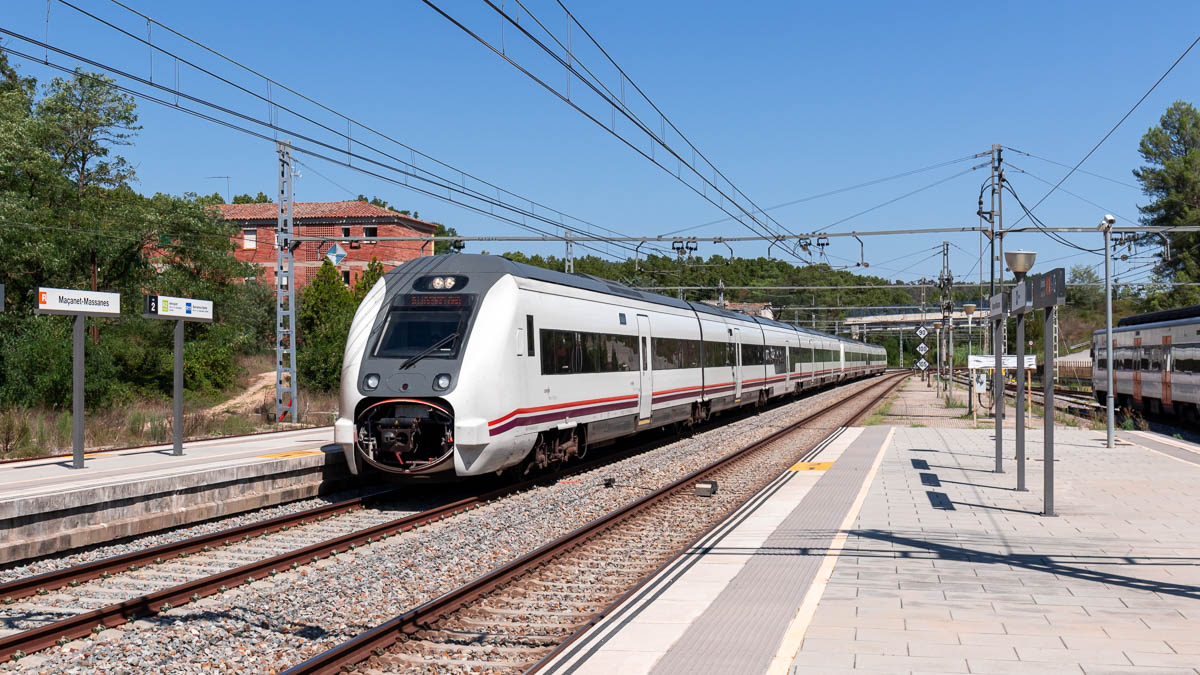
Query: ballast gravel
x=272 y=624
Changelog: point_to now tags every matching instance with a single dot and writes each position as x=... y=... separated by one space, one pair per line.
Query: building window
x=346 y=232
x=370 y=232
x=250 y=238
x=346 y=277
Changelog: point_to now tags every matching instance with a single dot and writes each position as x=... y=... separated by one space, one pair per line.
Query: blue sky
x=788 y=100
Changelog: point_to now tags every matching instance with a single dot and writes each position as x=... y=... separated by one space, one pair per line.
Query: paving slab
x=1110 y=584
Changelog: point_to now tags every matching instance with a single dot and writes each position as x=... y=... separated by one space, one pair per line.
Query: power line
x=461 y=175
x=905 y=195
x=615 y=105
x=1028 y=212
x=1065 y=191
x=1067 y=166
x=1042 y=226
x=431 y=179
x=840 y=190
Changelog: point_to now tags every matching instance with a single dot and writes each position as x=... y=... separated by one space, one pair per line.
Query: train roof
x=1150 y=326
x=469 y=263
x=1161 y=316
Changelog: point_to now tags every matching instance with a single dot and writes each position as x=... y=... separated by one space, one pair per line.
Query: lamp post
x=1106 y=227
x=1020 y=262
x=969 y=309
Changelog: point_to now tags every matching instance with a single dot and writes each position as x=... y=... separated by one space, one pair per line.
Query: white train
x=1156 y=363
x=476 y=364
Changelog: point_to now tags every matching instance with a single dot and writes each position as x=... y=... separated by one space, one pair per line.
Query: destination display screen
x=428 y=300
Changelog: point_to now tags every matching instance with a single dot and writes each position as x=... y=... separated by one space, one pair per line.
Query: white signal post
x=80 y=304
x=180 y=310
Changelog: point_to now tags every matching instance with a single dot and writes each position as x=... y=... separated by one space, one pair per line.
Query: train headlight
x=449 y=283
x=441 y=382
x=438 y=283
x=371 y=381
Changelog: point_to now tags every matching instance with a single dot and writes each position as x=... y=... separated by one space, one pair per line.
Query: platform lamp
x=1020 y=262
x=969 y=309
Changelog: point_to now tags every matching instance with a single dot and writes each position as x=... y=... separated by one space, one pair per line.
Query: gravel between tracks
x=272 y=624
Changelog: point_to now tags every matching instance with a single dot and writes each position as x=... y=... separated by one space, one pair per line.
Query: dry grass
x=42 y=432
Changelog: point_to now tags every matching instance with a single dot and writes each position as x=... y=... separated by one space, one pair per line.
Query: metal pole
x=970 y=373
x=998 y=391
x=1020 y=405
x=178 y=388
x=1108 y=335
x=1048 y=411
x=77 y=383
x=950 y=356
x=938 y=380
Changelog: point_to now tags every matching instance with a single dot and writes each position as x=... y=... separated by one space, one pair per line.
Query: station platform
x=47 y=506
x=908 y=554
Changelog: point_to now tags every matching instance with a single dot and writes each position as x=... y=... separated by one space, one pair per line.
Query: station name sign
x=998 y=305
x=1009 y=362
x=168 y=307
x=66 y=301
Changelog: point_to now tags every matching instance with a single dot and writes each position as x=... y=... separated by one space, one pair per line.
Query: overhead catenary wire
x=1029 y=212
x=449 y=187
x=903 y=196
x=1067 y=166
x=570 y=67
x=417 y=170
x=848 y=188
x=1010 y=165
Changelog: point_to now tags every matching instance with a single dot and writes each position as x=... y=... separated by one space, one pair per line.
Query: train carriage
x=469 y=364
x=1156 y=363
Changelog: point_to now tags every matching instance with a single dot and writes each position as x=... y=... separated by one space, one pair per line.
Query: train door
x=1137 y=370
x=646 y=390
x=737 y=364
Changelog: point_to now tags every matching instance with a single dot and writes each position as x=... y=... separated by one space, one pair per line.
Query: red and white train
x=475 y=364
x=1156 y=363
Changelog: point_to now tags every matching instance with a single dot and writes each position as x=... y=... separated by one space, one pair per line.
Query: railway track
x=73 y=602
x=1073 y=401
x=520 y=614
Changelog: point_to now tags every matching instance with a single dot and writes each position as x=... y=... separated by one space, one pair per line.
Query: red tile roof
x=318 y=211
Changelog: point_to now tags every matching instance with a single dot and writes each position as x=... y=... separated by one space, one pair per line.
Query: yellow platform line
x=810 y=466
x=289 y=454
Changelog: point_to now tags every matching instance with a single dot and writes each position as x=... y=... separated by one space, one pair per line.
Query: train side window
x=645 y=351
x=529 y=339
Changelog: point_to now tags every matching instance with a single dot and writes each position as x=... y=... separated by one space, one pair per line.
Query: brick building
x=255 y=242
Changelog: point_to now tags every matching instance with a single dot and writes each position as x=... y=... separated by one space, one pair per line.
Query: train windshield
x=409 y=331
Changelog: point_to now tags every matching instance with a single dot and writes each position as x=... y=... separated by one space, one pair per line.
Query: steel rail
x=48 y=581
x=362 y=646
x=80 y=625
x=615 y=604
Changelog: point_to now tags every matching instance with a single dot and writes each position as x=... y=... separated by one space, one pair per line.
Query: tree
x=260 y=198
x=367 y=281
x=325 y=312
x=1084 y=297
x=443 y=247
x=1171 y=178
x=88 y=116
